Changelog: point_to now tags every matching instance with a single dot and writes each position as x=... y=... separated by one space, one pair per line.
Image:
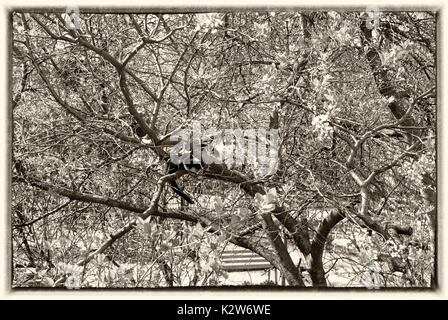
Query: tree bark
x=317 y=271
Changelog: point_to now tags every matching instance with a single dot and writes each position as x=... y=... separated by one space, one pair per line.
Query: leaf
x=47 y=282
x=213 y=245
x=259 y=199
x=175 y=242
x=243 y=212
x=164 y=247
x=206 y=267
x=260 y=28
x=235 y=220
x=147 y=227
x=268 y=207
x=100 y=258
x=271 y=196
x=171 y=235
x=112 y=274
x=198 y=231
x=218 y=204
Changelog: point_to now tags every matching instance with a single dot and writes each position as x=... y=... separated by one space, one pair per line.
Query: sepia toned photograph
x=215 y=148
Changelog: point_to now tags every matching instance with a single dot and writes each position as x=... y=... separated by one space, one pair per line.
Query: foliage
x=348 y=147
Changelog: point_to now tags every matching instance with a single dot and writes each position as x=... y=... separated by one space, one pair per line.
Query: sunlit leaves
x=323 y=129
x=266 y=203
x=261 y=29
x=209 y=21
x=145 y=225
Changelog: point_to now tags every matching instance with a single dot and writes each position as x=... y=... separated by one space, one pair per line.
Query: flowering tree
x=95 y=107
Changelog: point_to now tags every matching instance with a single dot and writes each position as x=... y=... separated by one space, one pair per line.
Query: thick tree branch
x=317 y=271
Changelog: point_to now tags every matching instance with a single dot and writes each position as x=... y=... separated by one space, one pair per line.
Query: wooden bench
x=238 y=260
